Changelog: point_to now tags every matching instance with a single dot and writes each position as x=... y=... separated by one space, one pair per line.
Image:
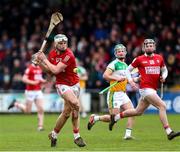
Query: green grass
x=18 y=133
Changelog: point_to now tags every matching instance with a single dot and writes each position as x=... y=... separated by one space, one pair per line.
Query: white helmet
x=123 y=48
x=148 y=41
x=60 y=37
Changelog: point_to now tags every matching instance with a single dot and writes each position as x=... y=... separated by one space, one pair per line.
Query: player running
x=33 y=79
x=152 y=70
x=117 y=98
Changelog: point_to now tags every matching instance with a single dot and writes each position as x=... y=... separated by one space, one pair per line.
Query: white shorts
x=61 y=89
x=146 y=91
x=33 y=95
x=117 y=99
x=82 y=90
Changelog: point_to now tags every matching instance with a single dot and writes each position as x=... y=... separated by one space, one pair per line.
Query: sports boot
x=172 y=135
x=53 y=139
x=79 y=141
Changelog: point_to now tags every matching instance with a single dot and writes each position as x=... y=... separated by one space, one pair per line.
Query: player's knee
x=66 y=114
x=75 y=105
x=75 y=115
x=162 y=106
x=41 y=110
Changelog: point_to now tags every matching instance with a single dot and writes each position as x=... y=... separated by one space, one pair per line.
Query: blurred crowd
x=93 y=28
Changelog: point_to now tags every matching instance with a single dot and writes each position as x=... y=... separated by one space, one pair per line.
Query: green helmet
x=122 y=48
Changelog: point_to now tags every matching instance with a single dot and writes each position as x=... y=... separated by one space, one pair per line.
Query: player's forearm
x=164 y=72
x=27 y=81
x=52 y=68
x=44 y=67
x=110 y=77
x=128 y=73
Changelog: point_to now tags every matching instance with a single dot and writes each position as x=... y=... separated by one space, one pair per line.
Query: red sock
x=56 y=130
x=166 y=126
x=76 y=130
x=121 y=115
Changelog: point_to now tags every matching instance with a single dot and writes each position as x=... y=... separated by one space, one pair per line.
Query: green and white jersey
x=82 y=71
x=119 y=69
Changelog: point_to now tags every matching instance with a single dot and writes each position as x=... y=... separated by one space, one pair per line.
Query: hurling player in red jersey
x=61 y=63
x=152 y=71
x=33 y=80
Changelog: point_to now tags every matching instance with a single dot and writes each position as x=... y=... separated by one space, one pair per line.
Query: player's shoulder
x=112 y=63
x=30 y=66
x=52 y=52
x=138 y=59
x=158 y=55
x=141 y=56
x=69 y=52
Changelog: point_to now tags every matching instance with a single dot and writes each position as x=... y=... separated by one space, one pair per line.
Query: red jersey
x=149 y=68
x=33 y=73
x=67 y=76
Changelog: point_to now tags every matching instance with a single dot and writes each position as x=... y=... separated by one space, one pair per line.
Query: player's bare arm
x=109 y=77
x=44 y=67
x=55 y=69
x=28 y=81
x=131 y=80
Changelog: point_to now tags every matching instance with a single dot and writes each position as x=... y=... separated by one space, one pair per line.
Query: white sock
x=168 y=130
x=117 y=117
x=128 y=132
x=76 y=135
x=96 y=118
x=54 y=134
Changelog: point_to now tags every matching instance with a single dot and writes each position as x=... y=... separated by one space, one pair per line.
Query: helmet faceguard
x=60 y=38
x=120 y=51
x=149 y=46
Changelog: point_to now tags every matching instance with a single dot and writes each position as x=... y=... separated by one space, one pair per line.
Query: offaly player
x=117 y=98
x=152 y=70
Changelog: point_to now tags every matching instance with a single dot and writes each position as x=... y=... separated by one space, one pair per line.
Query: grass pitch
x=18 y=133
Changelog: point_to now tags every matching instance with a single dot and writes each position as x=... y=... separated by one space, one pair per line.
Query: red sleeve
x=68 y=59
x=27 y=71
x=162 y=61
x=135 y=62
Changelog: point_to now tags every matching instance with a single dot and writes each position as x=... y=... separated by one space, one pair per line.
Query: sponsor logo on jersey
x=58 y=59
x=151 y=61
x=152 y=70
